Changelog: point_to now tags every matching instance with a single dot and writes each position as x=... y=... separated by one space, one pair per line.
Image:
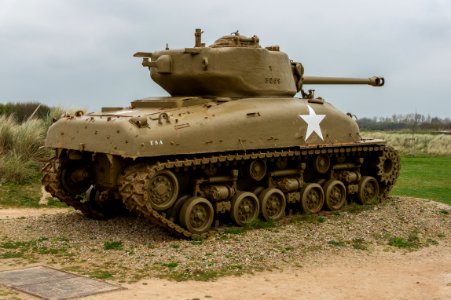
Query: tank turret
x=233 y=66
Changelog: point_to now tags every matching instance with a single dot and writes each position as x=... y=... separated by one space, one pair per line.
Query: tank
x=231 y=143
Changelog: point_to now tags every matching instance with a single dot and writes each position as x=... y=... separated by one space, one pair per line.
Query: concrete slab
x=52 y=284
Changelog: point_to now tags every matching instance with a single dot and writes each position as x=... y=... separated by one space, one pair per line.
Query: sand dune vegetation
x=20 y=149
x=21 y=152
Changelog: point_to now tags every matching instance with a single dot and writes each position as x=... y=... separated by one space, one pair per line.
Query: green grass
x=26 y=195
x=175 y=246
x=13 y=195
x=113 y=245
x=171 y=265
x=27 y=249
x=336 y=243
x=101 y=274
x=309 y=218
x=234 y=230
x=260 y=224
x=425 y=177
x=401 y=242
x=198 y=275
x=411 y=242
x=359 y=244
x=13 y=245
x=11 y=254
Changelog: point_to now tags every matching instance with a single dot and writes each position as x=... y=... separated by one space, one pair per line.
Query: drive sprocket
x=388 y=167
x=51 y=180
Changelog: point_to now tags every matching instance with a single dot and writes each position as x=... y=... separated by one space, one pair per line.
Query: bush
x=24 y=111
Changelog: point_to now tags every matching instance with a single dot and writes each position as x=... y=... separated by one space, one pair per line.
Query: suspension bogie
x=272 y=188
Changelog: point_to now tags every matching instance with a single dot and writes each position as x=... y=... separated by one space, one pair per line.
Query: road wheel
x=312 y=198
x=197 y=215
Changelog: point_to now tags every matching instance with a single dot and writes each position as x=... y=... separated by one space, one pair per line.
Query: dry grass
x=21 y=152
x=6 y=133
x=423 y=143
x=20 y=149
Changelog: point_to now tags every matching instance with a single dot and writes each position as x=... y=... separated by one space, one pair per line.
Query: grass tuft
x=310 y=218
x=412 y=242
x=359 y=244
x=101 y=274
x=336 y=243
x=234 y=230
x=260 y=224
x=113 y=245
x=11 y=254
x=171 y=265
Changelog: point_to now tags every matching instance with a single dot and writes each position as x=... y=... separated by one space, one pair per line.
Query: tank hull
x=189 y=163
x=209 y=127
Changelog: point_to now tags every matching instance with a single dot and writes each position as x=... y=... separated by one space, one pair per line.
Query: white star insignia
x=312 y=120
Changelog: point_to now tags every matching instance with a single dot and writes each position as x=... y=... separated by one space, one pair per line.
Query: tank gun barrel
x=374 y=81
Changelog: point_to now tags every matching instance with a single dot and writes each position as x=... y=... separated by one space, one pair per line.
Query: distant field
x=418 y=144
x=425 y=177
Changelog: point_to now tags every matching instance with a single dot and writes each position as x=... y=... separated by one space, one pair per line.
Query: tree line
x=404 y=122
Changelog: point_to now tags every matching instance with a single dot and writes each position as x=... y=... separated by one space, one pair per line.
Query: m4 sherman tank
x=231 y=143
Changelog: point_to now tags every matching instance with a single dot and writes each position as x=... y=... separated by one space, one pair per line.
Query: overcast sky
x=78 y=54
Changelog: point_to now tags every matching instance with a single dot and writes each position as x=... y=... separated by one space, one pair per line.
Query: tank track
x=132 y=181
x=52 y=184
x=131 y=188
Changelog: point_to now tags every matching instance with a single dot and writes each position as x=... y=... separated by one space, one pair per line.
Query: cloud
x=79 y=53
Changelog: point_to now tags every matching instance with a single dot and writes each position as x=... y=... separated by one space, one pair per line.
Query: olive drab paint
x=231 y=131
x=231 y=95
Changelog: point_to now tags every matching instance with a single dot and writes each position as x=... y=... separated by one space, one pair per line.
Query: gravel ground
x=129 y=249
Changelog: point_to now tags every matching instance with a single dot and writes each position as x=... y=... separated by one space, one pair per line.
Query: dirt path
x=13 y=213
x=423 y=274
